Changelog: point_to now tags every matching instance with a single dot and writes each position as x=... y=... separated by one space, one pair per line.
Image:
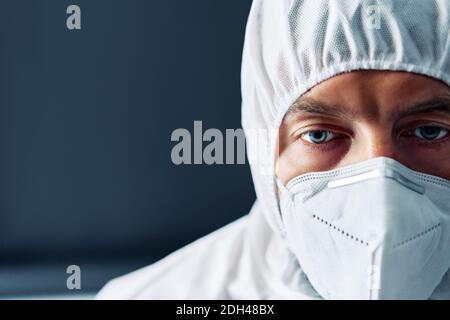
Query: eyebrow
x=305 y=106
x=439 y=104
x=309 y=106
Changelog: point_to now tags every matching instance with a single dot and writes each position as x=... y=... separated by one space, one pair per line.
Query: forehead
x=377 y=91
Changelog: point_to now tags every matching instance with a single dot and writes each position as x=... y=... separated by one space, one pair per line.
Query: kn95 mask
x=374 y=230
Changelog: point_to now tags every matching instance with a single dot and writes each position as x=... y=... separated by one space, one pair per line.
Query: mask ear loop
x=282 y=191
x=282 y=188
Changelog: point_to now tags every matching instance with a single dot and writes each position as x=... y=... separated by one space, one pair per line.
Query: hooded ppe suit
x=291 y=46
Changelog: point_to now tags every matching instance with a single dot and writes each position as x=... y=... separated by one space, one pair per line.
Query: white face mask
x=374 y=230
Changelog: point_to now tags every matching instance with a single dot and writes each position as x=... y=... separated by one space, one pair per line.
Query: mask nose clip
x=378 y=173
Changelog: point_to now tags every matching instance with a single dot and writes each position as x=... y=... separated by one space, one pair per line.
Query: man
x=352 y=177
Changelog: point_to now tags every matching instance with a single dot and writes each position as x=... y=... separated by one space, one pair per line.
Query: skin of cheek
x=297 y=159
x=445 y=172
x=293 y=160
x=433 y=161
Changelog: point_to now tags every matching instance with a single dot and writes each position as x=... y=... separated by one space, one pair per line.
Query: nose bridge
x=378 y=141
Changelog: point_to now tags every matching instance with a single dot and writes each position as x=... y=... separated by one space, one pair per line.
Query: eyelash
x=320 y=146
x=410 y=132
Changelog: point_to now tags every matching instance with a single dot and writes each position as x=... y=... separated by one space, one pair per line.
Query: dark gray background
x=86 y=117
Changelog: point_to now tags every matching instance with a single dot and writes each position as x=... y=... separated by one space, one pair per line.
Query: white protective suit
x=291 y=46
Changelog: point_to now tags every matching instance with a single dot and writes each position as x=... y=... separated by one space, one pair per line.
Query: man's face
x=367 y=114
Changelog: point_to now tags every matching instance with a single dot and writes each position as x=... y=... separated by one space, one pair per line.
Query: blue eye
x=318 y=136
x=430 y=132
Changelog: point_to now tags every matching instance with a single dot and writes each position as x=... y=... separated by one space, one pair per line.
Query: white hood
x=291 y=46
